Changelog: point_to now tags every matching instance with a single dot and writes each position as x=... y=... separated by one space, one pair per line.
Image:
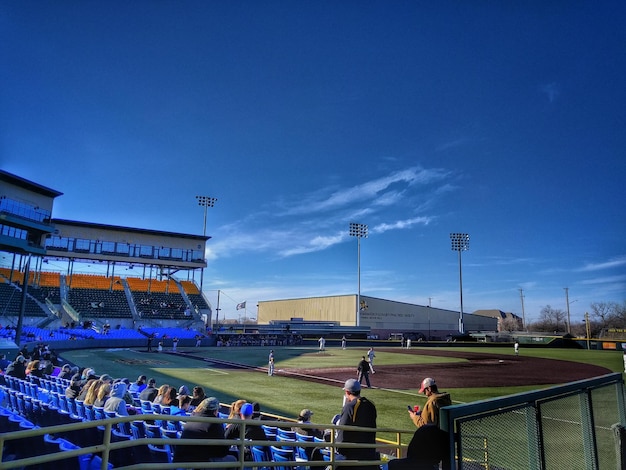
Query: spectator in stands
x=92 y=392
x=235 y=408
x=103 y=394
x=74 y=387
x=183 y=390
x=182 y=408
x=357 y=411
x=428 y=447
x=436 y=400
x=33 y=369
x=169 y=397
x=197 y=395
x=89 y=376
x=17 y=368
x=150 y=392
x=116 y=400
x=128 y=397
x=66 y=372
x=305 y=418
x=207 y=431
x=4 y=363
x=138 y=386
x=163 y=390
x=253 y=432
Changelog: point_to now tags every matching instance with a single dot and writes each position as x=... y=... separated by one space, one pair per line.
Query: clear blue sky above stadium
x=504 y=120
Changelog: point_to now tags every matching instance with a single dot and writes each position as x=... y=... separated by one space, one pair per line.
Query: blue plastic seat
x=282 y=455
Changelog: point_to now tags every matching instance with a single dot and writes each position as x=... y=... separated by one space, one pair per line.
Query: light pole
x=359 y=231
x=206 y=202
x=460 y=242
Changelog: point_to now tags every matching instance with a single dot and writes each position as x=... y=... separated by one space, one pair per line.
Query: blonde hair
x=103 y=391
x=92 y=392
x=163 y=389
x=235 y=407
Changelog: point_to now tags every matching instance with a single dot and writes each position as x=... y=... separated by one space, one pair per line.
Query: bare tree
x=551 y=319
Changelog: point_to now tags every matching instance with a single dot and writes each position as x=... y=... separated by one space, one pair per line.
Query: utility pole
x=521 y=295
x=569 y=329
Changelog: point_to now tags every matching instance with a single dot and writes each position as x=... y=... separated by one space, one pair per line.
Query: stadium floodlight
x=206 y=202
x=460 y=243
x=359 y=231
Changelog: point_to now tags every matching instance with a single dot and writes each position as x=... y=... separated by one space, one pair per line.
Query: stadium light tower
x=206 y=202
x=359 y=231
x=460 y=243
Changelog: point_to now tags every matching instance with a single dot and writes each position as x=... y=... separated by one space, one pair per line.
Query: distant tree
x=510 y=323
x=551 y=319
x=609 y=314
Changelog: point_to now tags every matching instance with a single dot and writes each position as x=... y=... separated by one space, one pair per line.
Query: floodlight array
x=358 y=230
x=460 y=241
x=206 y=201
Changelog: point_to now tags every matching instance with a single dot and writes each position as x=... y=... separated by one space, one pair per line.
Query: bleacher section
x=97 y=303
x=160 y=300
x=98 y=297
x=39 y=403
x=92 y=281
x=10 y=301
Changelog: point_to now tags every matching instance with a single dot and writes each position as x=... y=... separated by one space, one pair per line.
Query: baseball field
x=308 y=378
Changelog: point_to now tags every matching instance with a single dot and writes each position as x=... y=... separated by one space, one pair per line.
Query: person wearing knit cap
x=208 y=407
x=305 y=418
x=150 y=392
x=17 y=368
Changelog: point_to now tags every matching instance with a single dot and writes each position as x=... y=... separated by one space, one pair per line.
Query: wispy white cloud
x=368 y=191
x=612 y=263
x=605 y=280
x=319 y=221
x=401 y=224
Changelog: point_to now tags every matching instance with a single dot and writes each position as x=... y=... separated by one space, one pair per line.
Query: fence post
x=619 y=433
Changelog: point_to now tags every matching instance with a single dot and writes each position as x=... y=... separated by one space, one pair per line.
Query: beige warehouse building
x=383 y=317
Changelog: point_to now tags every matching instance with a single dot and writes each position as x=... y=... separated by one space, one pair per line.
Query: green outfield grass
x=286 y=396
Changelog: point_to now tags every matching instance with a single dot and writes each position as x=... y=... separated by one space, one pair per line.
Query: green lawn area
x=286 y=396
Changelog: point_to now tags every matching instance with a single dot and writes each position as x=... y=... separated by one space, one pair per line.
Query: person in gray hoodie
x=116 y=401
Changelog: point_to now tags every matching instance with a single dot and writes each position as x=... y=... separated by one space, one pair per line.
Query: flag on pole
x=240 y=306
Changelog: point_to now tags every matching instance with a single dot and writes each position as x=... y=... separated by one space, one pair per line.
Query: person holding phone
x=435 y=401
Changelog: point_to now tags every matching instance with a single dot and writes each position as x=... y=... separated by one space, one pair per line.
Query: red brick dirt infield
x=480 y=370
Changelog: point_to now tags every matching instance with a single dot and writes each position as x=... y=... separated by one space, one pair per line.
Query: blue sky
x=504 y=120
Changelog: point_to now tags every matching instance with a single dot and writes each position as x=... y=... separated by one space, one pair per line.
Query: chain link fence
x=567 y=427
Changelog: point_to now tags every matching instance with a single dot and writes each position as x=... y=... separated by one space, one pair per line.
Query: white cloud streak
x=321 y=220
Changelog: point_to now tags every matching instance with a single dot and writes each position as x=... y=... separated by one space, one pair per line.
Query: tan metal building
x=383 y=317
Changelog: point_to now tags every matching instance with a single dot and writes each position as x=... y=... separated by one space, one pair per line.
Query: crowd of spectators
x=258 y=340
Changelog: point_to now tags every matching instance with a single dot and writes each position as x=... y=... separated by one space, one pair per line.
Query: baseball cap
x=152 y=382
x=305 y=413
x=352 y=385
x=106 y=378
x=247 y=409
x=211 y=404
x=427 y=382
